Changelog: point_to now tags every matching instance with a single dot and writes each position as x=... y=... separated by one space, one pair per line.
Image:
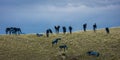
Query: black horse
x=48 y=31
x=8 y=30
x=55 y=41
x=107 y=30
x=93 y=53
x=64 y=29
x=94 y=27
x=70 y=29
x=84 y=26
x=63 y=47
x=57 y=28
x=13 y=30
x=39 y=35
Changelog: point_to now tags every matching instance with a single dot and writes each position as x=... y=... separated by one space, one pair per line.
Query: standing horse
x=70 y=29
x=107 y=30
x=64 y=29
x=94 y=27
x=84 y=27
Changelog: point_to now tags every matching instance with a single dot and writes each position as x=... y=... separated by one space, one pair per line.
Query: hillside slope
x=31 y=47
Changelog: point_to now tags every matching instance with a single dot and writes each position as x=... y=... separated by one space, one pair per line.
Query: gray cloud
x=91 y=3
x=54 y=9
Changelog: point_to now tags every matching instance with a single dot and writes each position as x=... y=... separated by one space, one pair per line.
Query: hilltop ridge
x=31 y=47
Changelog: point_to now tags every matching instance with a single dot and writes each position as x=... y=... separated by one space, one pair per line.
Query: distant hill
x=31 y=47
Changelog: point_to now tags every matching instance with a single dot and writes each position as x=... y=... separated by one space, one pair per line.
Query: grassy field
x=31 y=47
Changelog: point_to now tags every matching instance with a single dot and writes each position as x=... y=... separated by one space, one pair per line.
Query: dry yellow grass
x=31 y=47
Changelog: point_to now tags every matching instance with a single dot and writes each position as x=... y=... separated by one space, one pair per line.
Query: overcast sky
x=34 y=16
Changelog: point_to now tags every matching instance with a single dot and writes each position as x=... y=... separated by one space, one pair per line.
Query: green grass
x=31 y=47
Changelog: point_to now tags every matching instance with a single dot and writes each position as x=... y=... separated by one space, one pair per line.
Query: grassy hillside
x=31 y=47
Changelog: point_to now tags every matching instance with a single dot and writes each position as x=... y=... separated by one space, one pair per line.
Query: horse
x=48 y=31
x=70 y=29
x=64 y=29
x=39 y=35
x=55 y=41
x=57 y=28
x=94 y=27
x=13 y=30
x=84 y=26
x=63 y=47
x=93 y=53
x=107 y=30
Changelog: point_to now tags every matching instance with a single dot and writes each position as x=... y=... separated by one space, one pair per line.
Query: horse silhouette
x=57 y=29
x=39 y=35
x=70 y=29
x=94 y=27
x=93 y=53
x=64 y=29
x=84 y=27
x=55 y=41
x=48 y=31
x=13 y=30
x=63 y=47
x=107 y=30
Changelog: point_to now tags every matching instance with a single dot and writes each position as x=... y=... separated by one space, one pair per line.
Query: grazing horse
x=55 y=41
x=63 y=47
x=48 y=31
x=39 y=35
x=93 y=53
x=57 y=28
x=13 y=30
